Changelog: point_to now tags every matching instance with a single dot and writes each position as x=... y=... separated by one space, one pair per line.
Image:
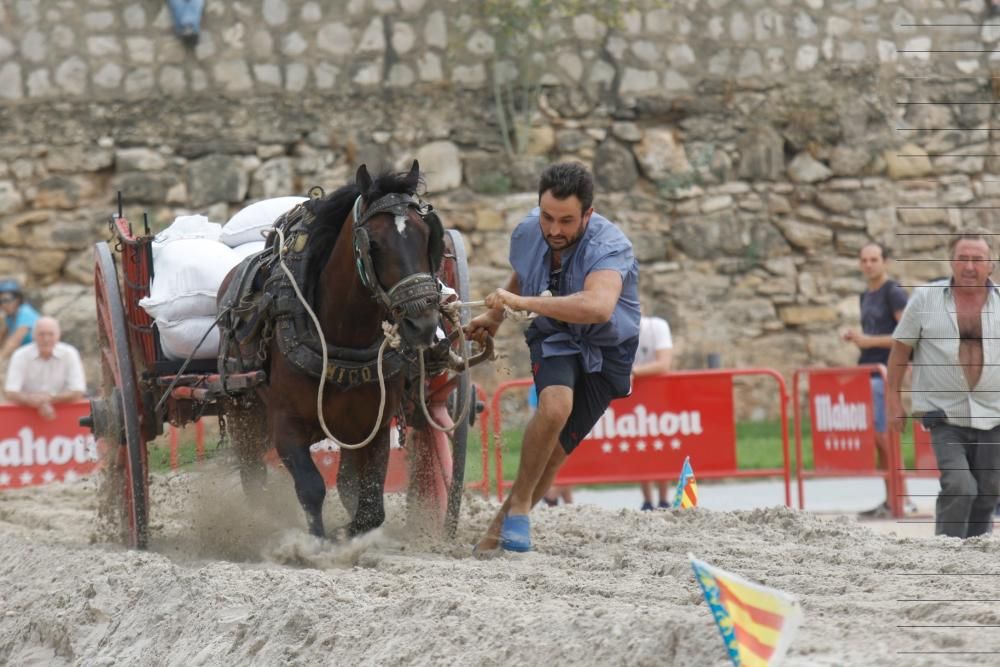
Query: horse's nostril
x=419 y=329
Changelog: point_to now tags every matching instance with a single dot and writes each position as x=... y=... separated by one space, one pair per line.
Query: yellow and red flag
x=687 y=489
x=757 y=623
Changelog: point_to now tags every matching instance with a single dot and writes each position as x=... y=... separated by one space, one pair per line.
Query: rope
x=450 y=310
x=390 y=338
x=512 y=314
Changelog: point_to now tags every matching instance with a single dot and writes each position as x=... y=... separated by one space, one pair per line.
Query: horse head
x=398 y=246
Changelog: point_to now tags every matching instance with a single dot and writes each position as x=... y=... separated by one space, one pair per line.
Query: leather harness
x=260 y=303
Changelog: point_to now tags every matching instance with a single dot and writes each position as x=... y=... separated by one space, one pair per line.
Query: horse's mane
x=332 y=211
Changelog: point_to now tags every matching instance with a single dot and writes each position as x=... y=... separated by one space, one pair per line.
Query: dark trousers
x=969 y=461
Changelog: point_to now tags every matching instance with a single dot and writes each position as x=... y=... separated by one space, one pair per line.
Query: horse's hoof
x=341 y=535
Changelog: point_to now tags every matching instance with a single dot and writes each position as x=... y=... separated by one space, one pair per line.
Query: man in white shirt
x=951 y=325
x=655 y=353
x=45 y=372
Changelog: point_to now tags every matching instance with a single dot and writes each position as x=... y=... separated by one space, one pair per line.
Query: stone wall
x=749 y=148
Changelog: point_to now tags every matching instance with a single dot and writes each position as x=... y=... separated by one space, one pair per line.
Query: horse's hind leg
x=246 y=424
x=309 y=485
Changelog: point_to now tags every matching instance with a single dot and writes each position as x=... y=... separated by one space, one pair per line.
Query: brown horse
x=370 y=255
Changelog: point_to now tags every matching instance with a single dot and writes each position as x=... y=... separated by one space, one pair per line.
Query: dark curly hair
x=566 y=179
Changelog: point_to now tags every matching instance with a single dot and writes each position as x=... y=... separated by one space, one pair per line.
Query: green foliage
x=671 y=186
x=521 y=30
x=493 y=183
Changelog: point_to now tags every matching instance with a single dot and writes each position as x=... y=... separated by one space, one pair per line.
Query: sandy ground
x=225 y=585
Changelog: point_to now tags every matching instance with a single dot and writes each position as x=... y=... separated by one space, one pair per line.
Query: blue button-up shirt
x=603 y=247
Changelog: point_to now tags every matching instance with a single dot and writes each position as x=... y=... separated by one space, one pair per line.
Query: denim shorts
x=878 y=403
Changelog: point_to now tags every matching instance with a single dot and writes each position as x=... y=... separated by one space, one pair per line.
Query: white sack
x=187 y=274
x=187 y=227
x=246 y=249
x=179 y=338
x=248 y=223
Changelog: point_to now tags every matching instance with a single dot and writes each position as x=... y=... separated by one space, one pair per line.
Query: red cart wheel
x=437 y=459
x=115 y=415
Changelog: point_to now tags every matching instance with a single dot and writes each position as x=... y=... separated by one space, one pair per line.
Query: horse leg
x=369 y=466
x=347 y=482
x=246 y=425
x=309 y=485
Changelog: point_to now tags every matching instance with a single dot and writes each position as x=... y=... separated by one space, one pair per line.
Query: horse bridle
x=415 y=293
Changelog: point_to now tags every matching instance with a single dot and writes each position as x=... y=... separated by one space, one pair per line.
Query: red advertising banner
x=843 y=432
x=36 y=451
x=648 y=434
x=925 y=460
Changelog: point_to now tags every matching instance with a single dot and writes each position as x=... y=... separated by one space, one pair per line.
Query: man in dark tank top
x=882 y=304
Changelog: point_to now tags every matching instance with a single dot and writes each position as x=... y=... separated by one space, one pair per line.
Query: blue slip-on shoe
x=515 y=535
x=647 y=507
x=664 y=505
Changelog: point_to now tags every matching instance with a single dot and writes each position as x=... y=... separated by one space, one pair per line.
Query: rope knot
x=391 y=331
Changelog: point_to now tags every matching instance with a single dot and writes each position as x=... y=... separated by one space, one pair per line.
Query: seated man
x=45 y=372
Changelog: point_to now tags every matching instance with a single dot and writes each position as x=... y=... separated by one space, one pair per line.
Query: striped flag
x=687 y=489
x=757 y=623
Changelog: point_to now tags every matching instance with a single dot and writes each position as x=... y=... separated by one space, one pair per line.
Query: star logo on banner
x=640 y=446
x=607 y=448
x=826 y=444
x=658 y=445
x=675 y=444
x=623 y=446
x=4 y=479
x=48 y=476
x=70 y=476
x=26 y=478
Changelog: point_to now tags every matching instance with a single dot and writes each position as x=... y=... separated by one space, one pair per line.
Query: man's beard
x=570 y=243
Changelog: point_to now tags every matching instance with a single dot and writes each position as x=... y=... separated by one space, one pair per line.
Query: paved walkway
x=836 y=497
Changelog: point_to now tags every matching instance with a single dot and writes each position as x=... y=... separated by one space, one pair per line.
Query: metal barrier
x=847 y=428
x=483 y=486
x=657 y=438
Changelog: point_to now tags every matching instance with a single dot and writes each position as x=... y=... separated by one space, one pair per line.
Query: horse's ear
x=363 y=180
x=413 y=176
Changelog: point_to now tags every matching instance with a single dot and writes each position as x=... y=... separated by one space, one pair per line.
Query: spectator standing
x=18 y=318
x=956 y=383
x=882 y=305
x=654 y=357
x=45 y=372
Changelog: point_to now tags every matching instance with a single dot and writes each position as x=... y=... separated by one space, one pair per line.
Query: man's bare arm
x=13 y=342
x=22 y=398
x=658 y=366
x=594 y=305
x=899 y=359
